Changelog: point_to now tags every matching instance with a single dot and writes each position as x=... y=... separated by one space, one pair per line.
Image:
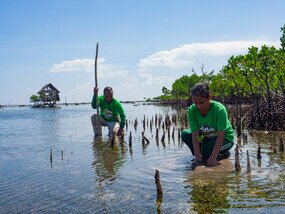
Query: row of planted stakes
x=158 y=122
x=258 y=155
x=178 y=123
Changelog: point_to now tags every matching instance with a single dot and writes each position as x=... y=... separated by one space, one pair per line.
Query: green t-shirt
x=109 y=110
x=216 y=120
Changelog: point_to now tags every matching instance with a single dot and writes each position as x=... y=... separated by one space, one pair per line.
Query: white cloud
x=83 y=86
x=73 y=65
x=105 y=70
x=185 y=55
x=152 y=80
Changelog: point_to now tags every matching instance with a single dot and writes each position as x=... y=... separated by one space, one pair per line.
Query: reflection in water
x=159 y=201
x=108 y=159
x=209 y=188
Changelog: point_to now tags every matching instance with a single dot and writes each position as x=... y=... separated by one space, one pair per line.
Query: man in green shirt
x=112 y=113
x=210 y=136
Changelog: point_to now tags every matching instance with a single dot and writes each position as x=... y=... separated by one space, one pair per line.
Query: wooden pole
x=50 y=156
x=248 y=169
x=158 y=185
x=96 y=78
x=237 y=162
x=259 y=153
x=281 y=145
x=130 y=139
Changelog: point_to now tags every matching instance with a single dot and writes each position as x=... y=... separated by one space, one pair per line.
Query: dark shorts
x=206 y=146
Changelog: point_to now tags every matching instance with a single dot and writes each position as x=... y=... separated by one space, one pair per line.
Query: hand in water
x=196 y=163
x=211 y=162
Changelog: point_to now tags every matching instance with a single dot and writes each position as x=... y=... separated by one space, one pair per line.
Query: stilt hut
x=48 y=95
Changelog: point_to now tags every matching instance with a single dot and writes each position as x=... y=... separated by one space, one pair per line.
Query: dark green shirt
x=109 y=111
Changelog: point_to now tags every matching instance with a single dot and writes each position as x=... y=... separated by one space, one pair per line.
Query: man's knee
x=94 y=117
x=227 y=146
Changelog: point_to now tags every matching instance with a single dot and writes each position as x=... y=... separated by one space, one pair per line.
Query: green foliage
x=34 y=98
x=148 y=100
x=166 y=91
x=42 y=95
x=181 y=87
x=260 y=72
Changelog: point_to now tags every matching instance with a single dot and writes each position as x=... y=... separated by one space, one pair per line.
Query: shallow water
x=93 y=177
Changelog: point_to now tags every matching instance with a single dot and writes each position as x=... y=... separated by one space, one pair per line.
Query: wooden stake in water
x=143 y=140
x=163 y=137
x=173 y=130
x=127 y=125
x=158 y=185
x=147 y=140
x=259 y=153
x=136 y=124
x=237 y=162
x=244 y=137
x=50 y=156
x=61 y=155
x=156 y=135
x=281 y=145
x=156 y=120
x=178 y=131
x=248 y=169
x=168 y=133
x=130 y=138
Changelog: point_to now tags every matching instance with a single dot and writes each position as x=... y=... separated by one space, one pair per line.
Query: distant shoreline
x=65 y=104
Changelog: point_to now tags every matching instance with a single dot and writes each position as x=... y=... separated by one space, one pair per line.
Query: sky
x=143 y=44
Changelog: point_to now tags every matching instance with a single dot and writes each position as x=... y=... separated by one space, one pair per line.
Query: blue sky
x=143 y=45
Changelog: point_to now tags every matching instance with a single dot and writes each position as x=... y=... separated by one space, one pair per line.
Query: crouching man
x=111 y=113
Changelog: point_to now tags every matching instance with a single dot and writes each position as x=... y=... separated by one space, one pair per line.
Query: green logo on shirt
x=207 y=131
x=108 y=114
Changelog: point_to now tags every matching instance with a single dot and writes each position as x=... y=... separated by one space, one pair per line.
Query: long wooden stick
x=96 y=79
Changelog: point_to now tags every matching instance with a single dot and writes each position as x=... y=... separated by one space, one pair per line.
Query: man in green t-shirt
x=210 y=136
x=111 y=113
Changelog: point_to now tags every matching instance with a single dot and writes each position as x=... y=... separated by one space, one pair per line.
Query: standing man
x=112 y=113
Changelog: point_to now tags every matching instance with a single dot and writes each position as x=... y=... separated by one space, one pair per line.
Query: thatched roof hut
x=48 y=95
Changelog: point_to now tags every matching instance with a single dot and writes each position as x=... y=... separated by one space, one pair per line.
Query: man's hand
x=120 y=132
x=196 y=163
x=95 y=90
x=211 y=162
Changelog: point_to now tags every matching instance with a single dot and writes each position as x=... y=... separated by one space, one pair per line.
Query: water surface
x=92 y=177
